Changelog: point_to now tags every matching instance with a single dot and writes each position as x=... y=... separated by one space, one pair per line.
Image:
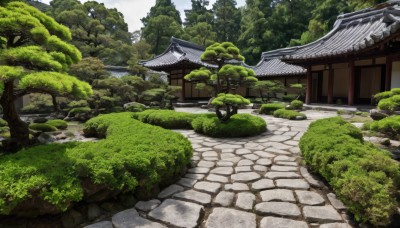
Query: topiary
x=230 y=103
x=389 y=126
x=289 y=114
x=166 y=118
x=135 y=107
x=269 y=109
x=297 y=104
x=240 y=125
x=42 y=127
x=59 y=124
x=75 y=111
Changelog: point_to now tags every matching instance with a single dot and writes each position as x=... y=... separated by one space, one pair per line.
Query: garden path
x=243 y=183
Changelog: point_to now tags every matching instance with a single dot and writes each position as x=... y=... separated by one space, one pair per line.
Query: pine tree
x=227 y=20
x=163 y=8
x=198 y=14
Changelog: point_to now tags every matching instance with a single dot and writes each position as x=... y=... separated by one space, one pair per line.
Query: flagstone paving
x=242 y=183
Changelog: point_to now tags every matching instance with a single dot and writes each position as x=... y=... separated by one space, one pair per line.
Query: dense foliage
x=289 y=114
x=389 y=100
x=364 y=177
x=269 y=109
x=133 y=158
x=389 y=126
x=240 y=125
x=166 y=118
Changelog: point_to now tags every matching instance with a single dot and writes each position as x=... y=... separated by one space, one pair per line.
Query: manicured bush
x=43 y=127
x=269 y=109
x=289 y=114
x=134 y=158
x=389 y=126
x=289 y=97
x=75 y=111
x=3 y=123
x=389 y=100
x=135 y=107
x=387 y=94
x=240 y=125
x=297 y=105
x=166 y=118
x=364 y=177
x=59 y=124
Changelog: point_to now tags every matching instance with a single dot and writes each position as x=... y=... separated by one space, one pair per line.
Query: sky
x=134 y=10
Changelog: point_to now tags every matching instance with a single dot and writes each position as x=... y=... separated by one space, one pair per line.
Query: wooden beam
x=309 y=84
x=330 y=84
x=388 y=76
x=352 y=79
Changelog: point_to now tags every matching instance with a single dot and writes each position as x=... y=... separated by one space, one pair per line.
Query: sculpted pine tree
x=34 y=57
x=226 y=79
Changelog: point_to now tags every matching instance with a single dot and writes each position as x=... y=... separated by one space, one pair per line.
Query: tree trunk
x=56 y=107
x=18 y=129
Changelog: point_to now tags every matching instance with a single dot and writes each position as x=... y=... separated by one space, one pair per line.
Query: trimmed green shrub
x=289 y=114
x=364 y=177
x=3 y=123
x=240 y=125
x=289 y=97
x=59 y=124
x=387 y=94
x=75 y=111
x=43 y=127
x=134 y=158
x=168 y=119
x=389 y=126
x=297 y=105
x=135 y=107
x=269 y=109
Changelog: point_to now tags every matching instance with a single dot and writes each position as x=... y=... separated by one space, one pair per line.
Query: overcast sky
x=134 y=10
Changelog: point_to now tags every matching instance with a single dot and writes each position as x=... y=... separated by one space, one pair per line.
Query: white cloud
x=134 y=10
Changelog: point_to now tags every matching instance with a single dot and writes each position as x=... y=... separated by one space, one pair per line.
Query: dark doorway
x=370 y=80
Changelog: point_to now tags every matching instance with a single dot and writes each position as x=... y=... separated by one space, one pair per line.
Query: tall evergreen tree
x=165 y=8
x=198 y=13
x=227 y=20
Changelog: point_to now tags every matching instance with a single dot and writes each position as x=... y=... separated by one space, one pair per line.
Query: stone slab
x=147 y=205
x=130 y=219
x=236 y=187
x=262 y=184
x=309 y=198
x=194 y=196
x=278 y=195
x=231 y=218
x=209 y=187
x=226 y=171
x=321 y=214
x=224 y=199
x=274 y=222
x=245 y=200
x=292 y=183
x=245 y=177
x=284 y=209
x=282 y=175
x=169 y=191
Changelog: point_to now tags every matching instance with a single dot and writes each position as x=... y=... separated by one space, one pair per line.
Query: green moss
x=364 y=177
x=3 y=123
x=269 y=109
x=43 y=127
x=289 y=114
x=75 y=111
x=240 y=125
x=166 y=118
x=59 y=124
x=297 y=105
x=134 y=158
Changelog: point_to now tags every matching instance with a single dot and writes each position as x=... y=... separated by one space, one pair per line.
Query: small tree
x=300 y=88
x=225 y=79
x=89 y=69
x=34 y=56
x=267 y=87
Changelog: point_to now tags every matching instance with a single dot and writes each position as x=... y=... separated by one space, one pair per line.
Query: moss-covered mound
x=364 y=177
x=269 y=109
x=59 y=124
x=240 y=125
x=389 y=126
x=166 y=118
x=289 y=114
x=42 y=127
x=133 y=158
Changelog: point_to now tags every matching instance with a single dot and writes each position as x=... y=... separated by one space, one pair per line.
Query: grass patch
x=289 y=114
x=59 y=124
x=42 y=127
x=166 y=118
x=269 y=109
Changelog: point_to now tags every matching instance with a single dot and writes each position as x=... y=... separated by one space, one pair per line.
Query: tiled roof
x=271 y=65
x=352 y=32
x=177 y=52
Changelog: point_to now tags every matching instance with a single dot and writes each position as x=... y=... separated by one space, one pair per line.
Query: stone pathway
x=242 y=183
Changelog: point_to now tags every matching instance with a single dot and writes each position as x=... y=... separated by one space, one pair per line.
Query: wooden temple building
x=357 y=59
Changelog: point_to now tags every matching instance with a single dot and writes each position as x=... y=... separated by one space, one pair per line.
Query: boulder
x=45 y=138
x=378 y=114
x=40 y=120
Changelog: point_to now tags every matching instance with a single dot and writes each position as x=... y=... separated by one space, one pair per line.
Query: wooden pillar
x=388 y=76
x=330 y=84
x=352 y=80
x=183 y=85
x=309 y=84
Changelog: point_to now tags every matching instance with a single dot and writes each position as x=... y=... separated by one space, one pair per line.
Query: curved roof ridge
x=186 y=43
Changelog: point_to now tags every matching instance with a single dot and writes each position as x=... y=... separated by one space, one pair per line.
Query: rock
x=245 y=162
x=245 y=200
x=94 y=211
x=309 y=198
x=245 y=177
x=217 y=178
x=236 y=187
x=226 y=171
x=104 y=224
x=72 y=219
x=280 y=168
x=300 y=118
x=226 y=217
x=378 y=114
x=251 y=157
x=264 y=161
x=195 y=176
x=309 y=178
x=46 y=138
x=210 y=154
x=199 y=170
x=227 y=146
x=278 y=138
x=335 y=225
x=206 y=164
x=260 y=168
x=243 y=151
x=262 y=184
x=336 y=203
x=241 y=169
x=169 y=191
x=224 y=199
x=131 y=219
x=225 y=163
x=273 y=222
x=187 y=182
x=292 y=183
x=194 y=196
x=278 y=208
x=278 y=195
x=282 y=175
x=178 y=213
x=385 y=142
x=147 y=205
x=40 y=120
x=321 y=214
x=209 y=187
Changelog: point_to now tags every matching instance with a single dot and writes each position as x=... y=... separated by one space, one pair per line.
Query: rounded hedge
x=59 y=124
x=79 y=110
x=43 y=127
x=389 y=126
x=297 y=104
x=289 y=114
x=3 y=123
x=168 y=119
x=240 y=125
x=133 y=158
x=269 y=109
x=364 y=177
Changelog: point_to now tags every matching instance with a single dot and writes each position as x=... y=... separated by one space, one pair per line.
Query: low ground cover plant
x=269 y=109
x=240 y=125
x=42 y=127
x=364 y=177
x=59 y=124
x=289 y=114
x=296 y=105
x=168 y=119
x=132 y=158
x=389 y=126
